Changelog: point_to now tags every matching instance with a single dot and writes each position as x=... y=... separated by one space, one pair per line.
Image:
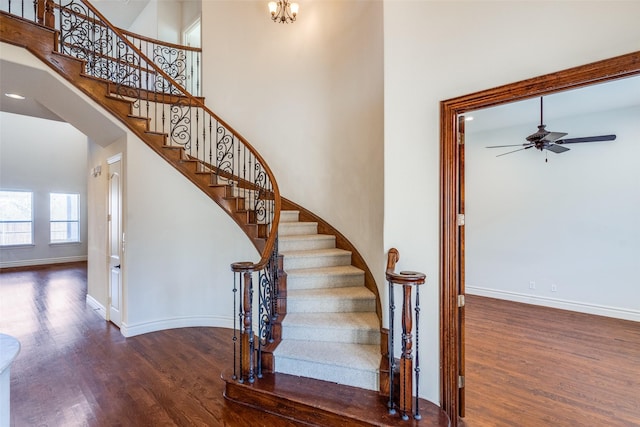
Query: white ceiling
x=120 y=13
x=623 y=93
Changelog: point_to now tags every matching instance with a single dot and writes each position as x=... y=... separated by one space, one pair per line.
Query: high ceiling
x=120 y=13
x=623 y=93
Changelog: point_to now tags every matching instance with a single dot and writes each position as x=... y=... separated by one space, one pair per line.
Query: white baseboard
x=176 y=322
x=96 y=306
x=599 y=310
x=44 y=261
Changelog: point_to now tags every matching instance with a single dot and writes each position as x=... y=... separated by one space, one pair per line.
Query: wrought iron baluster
x=392 y=360
x=417 y=415
x=235 y=326
x=408 y=372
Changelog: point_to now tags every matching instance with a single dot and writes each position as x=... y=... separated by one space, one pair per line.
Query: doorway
x=116 y=239
x=452 y=237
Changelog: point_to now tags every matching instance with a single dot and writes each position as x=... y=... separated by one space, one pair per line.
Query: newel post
x=243 y=293
x=407 y=370
x=45 y=15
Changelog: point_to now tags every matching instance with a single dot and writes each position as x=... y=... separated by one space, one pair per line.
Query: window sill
x=23 y=246
x=64 y=243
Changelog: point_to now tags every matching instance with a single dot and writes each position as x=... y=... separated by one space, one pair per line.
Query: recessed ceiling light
x=14 y=96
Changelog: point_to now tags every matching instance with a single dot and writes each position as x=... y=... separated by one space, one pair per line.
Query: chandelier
x=283 y=11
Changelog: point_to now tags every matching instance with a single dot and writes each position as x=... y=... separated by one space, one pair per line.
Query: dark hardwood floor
x=75 y=369
x=537 y=366
x=526 y=365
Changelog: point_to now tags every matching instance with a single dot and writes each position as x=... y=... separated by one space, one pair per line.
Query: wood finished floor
x=75 y=369
x=537 y=366
x=526 y=365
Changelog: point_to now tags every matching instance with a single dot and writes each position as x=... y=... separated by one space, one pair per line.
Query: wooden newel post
x=49 y=17
x=247 y=333
x=246 y=356
x=44 y=10
x=408 y=371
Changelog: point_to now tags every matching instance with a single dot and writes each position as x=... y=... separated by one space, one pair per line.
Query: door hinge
x=108 y=217
x=460 y=381
x=460 y=219
x=461 y=301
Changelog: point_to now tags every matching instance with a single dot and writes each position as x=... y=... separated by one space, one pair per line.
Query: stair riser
x=325 y=305
x=295 y=262
x=311 y=244
x=341 y=375
x=297 y=228
x=319 y=333
x=289 y=216
x=320 y=282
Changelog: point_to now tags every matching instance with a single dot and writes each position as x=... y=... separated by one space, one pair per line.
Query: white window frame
x=67 y=221
x=5 y=222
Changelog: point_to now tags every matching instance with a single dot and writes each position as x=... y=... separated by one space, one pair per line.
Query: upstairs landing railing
x=110 y=55
x=182 y=63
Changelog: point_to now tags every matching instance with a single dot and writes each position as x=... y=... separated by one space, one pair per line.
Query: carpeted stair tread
x=315 y=252
x=359 y=356
x=289 y=216
x=359 y=328
x=353 y=298
x=324 y=277
x=342 y=363
x=297 y=228
x=324 y=271
x=306 y=242
x=368 y=320
x=315 y=258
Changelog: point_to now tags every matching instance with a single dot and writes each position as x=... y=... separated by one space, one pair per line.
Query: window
x=64 y=214
x=16 y=218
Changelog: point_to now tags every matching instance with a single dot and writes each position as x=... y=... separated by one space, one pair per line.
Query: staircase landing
x=321 y=403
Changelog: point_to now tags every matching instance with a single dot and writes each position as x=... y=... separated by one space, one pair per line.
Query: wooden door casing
x=450 y=332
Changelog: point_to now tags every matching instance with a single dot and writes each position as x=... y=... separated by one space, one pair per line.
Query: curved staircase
x=328 y=325
x=331 y=331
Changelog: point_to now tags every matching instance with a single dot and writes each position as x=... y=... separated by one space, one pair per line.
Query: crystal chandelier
x=283 y=11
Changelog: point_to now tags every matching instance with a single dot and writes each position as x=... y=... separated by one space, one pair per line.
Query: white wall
x=146 y=23
x=436 y=50
x=308 y=96
x=179 y=243
x=568 y=222
x=165 y=20
x=98 y=244
x=43 y=156
x=178 y=251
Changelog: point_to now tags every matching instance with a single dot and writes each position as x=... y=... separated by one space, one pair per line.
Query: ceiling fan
x=550 y=141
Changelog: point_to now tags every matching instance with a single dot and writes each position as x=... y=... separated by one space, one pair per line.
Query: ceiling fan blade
x=556 y=148
x=511 y=145
x=553 y=136
x=509 y=152
x=586 y=139
x=525 y=145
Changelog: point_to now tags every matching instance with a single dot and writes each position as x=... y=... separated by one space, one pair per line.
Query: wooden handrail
x=271 y=239
x=409 y=280
x=160 y=42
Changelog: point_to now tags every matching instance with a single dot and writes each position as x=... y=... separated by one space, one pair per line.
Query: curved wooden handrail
x=160 y=42
x=403 y=277
x=271 y=240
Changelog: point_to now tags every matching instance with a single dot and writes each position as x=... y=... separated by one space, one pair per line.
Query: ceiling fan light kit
x=543 y=139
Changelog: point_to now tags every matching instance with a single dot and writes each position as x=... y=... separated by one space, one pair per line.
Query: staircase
x=320 y=338
x=331 y=331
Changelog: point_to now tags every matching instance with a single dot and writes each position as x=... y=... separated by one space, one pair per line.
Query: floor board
x=75 y=369
x=537 y=366
x=526 y=365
